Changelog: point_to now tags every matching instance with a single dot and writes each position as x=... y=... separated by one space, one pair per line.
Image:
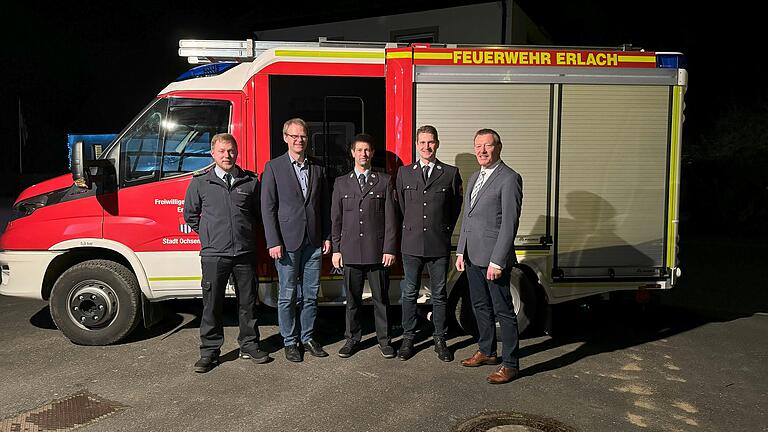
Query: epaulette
x=201 y=172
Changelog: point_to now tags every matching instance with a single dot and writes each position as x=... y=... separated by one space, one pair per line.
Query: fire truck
x=594 y=132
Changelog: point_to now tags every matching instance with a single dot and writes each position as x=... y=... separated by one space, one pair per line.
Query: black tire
x=524 y=297
x=96 y=302
x=461 y=307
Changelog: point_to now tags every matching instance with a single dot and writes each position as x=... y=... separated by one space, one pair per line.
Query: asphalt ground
x=693 y=359
x=615 y=367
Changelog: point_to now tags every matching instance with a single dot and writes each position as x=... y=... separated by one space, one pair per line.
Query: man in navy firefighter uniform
x=364 y=239
x=222 y=206
x=430 y=196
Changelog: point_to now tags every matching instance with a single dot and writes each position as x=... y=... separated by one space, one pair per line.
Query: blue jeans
x=438 y=269
x=299 y=274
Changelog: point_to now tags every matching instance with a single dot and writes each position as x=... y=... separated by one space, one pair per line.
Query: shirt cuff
x=496 y=266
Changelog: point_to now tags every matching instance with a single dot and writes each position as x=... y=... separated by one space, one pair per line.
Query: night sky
x=89 y=67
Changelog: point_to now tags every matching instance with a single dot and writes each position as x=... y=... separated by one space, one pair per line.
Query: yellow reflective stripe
x=332 y=54
x=637 y=59
x=397 y=55
x=433 y=56
x=174 y=278
x=531 y=252
x=674 y=155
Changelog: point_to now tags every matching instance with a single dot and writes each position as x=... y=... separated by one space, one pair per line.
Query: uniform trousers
x=354 y=281
x=216 y=271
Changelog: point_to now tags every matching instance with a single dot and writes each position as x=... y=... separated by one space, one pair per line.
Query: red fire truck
x=595 y=133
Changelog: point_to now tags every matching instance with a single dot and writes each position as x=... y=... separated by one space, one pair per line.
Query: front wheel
x=96 y=302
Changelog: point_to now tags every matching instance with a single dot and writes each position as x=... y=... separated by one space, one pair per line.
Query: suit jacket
x=490 y=225
x=287 y=216
x=430 y=209
x=364 y=223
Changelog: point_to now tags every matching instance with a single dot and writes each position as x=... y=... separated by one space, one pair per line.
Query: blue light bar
x=670 y=61
x=210 y=69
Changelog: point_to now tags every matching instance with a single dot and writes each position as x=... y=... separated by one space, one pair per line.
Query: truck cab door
x=155 y=161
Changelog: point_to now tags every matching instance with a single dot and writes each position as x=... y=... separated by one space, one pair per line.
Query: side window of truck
x=190 y=126
x=171 y=138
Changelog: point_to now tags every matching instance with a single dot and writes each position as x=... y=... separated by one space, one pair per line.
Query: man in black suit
x=364 y=234
x=294 y=207
x=429 y=194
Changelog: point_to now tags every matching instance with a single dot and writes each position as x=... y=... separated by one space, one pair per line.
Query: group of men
x=361 y=224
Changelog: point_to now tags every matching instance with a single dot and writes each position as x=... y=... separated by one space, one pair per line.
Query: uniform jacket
x=489 y=227
x=364 y=223
x=223 y=218
x=287 y=215
x=429 y=210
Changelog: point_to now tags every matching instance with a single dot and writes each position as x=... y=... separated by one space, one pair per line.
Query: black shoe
x=292 y=353
x=315 y=348
x=349 y=348
x=205 y=364
x=387 y=351
x=443 y=353
x=257 y=356
x=406 y=349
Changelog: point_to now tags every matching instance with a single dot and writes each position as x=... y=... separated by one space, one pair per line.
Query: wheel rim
x=92 y=304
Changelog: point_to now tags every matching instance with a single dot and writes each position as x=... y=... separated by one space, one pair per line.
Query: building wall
x=472 y=24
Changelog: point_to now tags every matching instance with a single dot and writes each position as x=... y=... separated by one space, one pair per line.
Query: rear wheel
x=460 y=308
x=525 y=299
x=96 y=302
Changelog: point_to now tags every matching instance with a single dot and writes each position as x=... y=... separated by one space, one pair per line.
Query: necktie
x=425 y=173
x=361 y=179
x=477 y=187
x=228 y=180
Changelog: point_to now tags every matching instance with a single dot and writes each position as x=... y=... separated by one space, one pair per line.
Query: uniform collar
x=235 y=172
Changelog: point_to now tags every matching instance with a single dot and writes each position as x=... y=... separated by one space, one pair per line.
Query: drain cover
x=511 y=422
x=63 y=414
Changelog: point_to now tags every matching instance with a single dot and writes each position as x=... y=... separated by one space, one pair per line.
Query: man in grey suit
x=364 y=233
x=429 y=194
x=294 y=207
x=487 y=250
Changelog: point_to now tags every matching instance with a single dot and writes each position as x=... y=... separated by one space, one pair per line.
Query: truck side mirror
x=79 y=174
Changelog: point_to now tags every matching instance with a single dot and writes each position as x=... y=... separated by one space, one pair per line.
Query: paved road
x=617 y=369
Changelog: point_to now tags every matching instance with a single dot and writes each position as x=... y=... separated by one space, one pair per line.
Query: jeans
x=491 y=298
x=299 y=274
x=438 y=269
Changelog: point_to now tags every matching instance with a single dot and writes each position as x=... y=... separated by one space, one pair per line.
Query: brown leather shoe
x=479 y=359
x=503 y=375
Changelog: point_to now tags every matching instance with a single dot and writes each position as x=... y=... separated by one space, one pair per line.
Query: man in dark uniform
x=221 y=207
x=429 y=194
x=364 y=239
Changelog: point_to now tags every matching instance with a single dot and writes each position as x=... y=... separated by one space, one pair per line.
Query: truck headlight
x=28 y=206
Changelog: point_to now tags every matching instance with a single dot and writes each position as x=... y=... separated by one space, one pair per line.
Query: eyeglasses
x=297 y=137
